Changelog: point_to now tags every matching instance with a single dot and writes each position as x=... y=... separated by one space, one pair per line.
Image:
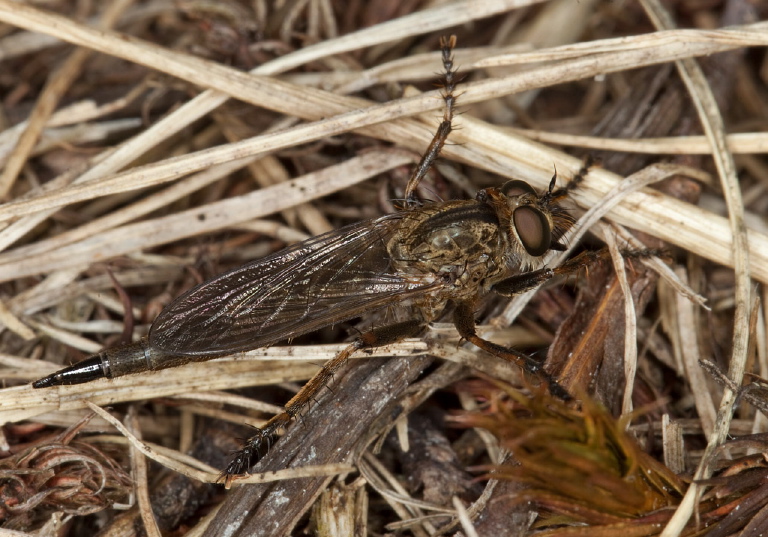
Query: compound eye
x=516 y=188
x=533 y=229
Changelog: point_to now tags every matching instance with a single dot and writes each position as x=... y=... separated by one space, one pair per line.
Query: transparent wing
x=324 y=280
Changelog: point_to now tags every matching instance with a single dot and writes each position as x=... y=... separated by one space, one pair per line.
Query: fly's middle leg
x=376 y=337
x=464 y=319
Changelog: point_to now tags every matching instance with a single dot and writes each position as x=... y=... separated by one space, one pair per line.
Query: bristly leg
x=526 y=281
x=259 y=442
x=438 y=140
x=464 y=320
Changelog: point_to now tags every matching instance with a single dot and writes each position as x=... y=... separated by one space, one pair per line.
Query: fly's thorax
x=457 y=240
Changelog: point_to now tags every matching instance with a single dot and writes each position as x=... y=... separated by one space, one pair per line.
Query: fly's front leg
x=530 y=280
x=376 y=337
x=464 y=319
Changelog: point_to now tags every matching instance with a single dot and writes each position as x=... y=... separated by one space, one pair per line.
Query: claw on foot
x=249 y=455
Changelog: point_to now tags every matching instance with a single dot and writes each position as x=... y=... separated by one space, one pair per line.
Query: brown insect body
x=424 y=257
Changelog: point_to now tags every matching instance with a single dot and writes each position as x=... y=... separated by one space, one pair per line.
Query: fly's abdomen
x=127 y=359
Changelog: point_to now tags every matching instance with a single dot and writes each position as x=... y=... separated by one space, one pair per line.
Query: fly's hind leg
x=376 y=337
x=464 y=319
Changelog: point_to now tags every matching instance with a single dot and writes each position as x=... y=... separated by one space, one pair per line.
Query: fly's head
x=533 y=223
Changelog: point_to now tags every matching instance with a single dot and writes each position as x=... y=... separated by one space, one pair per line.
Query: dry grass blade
x=713 y=125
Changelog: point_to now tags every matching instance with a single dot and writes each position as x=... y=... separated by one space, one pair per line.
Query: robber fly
x=423 y=258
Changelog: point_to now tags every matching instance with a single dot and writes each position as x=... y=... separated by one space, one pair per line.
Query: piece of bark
x=329 y=433
x=599 y=320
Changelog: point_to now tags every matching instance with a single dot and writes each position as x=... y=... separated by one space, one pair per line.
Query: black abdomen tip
x=45 y=382
x=85 y=371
